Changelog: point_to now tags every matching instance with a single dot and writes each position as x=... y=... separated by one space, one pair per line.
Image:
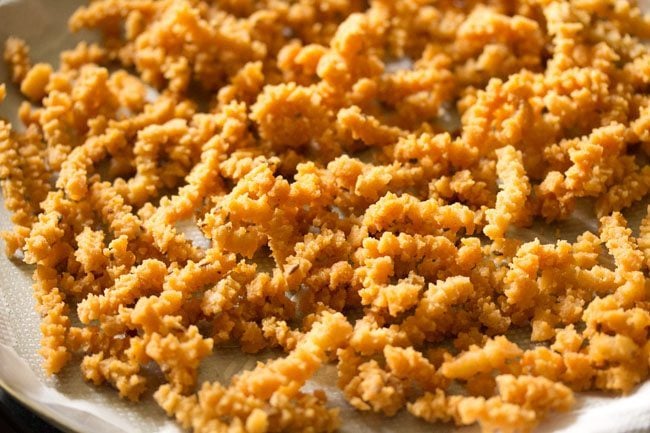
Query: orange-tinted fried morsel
x=357 y=170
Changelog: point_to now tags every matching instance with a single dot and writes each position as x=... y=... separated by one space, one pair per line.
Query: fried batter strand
x=353 y=175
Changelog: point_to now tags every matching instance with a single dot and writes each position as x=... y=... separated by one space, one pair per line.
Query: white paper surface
x=78 y=406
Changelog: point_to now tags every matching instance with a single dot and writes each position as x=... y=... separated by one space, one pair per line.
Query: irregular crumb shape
x=366 y=128
x=511 y=200
x=435 y=407
x=536 y=393
x=411 y=364
x=492 y=356
x=632 y=188
x=35 y=81
x=290 y=115
x=268 y=395
x=16 y=55
x=620 y=243
x=521 y=403
x=352 y=173
x=430 y=313
x=644 y=237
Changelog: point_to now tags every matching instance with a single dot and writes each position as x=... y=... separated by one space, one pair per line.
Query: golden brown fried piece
x=356 y=170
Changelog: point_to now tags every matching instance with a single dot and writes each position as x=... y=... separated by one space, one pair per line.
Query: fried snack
x=356 y=173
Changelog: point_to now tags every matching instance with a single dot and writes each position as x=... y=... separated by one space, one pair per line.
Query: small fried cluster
x=357 y=170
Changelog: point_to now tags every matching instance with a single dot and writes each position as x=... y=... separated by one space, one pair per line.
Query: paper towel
x=76 y=406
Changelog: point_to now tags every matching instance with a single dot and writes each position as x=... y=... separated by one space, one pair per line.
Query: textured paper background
x=78 y=406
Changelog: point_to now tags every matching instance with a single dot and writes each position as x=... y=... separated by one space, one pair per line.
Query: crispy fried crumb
x=366 y=158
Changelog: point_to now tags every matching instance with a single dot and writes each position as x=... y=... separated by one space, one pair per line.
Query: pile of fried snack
x=358 y=168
